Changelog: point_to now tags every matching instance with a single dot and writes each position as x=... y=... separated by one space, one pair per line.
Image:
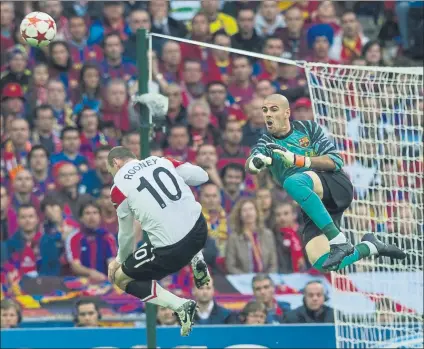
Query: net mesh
x=375 y=118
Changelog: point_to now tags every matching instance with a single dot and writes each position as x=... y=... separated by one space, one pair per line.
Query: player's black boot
x=336 y=255
x=384 y=249
x=185 y=316
x=201 y=273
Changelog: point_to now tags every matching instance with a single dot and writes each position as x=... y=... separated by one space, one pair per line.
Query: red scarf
x=11 y=162
x=349 y=53
x=256 y=252
x=292 y=241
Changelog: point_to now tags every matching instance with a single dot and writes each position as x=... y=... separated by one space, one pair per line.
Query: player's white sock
x=196 y=258
x=339 y=239
x=166 y=299
x=371 y=246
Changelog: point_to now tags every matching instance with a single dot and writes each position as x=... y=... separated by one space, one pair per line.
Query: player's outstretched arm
x=193 y=175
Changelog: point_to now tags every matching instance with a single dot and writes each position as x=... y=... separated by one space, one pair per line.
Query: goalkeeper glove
x=288 y=157
x=259 y=162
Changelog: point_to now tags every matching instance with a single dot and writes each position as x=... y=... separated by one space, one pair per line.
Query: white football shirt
x=156 y=192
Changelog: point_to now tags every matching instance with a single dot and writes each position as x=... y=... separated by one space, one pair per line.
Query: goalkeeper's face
x=276 y=113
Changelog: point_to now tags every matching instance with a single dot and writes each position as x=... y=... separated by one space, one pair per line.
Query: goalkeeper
x=308 y=167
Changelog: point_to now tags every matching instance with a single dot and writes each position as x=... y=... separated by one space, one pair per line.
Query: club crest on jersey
x=304 y=142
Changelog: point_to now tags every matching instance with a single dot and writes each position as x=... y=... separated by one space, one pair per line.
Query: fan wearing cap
x=302 y=109
x=16 y=72
x=12 y=98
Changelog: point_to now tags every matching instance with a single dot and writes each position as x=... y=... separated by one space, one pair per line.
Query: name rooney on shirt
x=139 y=166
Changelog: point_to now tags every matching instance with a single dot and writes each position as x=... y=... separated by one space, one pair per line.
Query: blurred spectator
x=320 y=40
x=247 y=38
x=93 y=180
x=251 y=246
x=23 y=190
x=16 y=72
x=55 y=9
x=60 y=65
x=115 y=106
x=171 y=62
x=255 y=125
x=107 y=210
x=162 y=22
x=114 y=65
x=13 y=99
x=37 y=89
x=87 y=313
x=11 y=312
x=56 y=229
x=88 y=93
x=216 y=96
x=80 y=51
x=67 y=182
x=131 y=140
x=113 y=21
x=90 y=136
x=199 y=126
x=178 y=140
x=266 y=69
x=71 y=144
x=137 y=19
x=314 y=310
x=326 y=13
x=302 y=110
x=293 y=35
x=220 y=58
x=231 y=150
x=268 y=19
x=23 y=247
x=90 y=250
x=215 y=216
x=291 y=82
x=253 y=313
x=192 y=84
x=207 y=159
x=166 y=317
x=264 y=292
x=44 y=132
x=289 y=245
x=209 y=312
x=9 y=223
x=7 y=11
x=372 y=53
x=16 y=148
x=56 y=97
x=218 y=20
x=241 y=88
x=39 y=165
x=265 y=204
x=177 y=113
x=233 y=175
x=199 y=32
x=348 y=44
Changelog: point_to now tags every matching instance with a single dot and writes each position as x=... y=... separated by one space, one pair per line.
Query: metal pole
x=143 y=78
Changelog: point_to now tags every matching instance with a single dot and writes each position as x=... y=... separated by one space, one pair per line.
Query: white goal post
x=375 y=118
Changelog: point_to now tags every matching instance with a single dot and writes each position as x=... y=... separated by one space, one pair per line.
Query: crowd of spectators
x=64 y=106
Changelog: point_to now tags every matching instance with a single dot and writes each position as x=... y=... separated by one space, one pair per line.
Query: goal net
x=375 y=118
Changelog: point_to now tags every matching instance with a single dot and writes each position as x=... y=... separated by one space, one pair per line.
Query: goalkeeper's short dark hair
x=120 y=153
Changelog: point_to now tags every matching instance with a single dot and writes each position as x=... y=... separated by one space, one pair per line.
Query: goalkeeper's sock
x=300 y=187
x=362 y=250
x=152 y=292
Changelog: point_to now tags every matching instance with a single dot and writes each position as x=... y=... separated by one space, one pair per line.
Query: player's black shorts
x=337 y=197
x=148 y=263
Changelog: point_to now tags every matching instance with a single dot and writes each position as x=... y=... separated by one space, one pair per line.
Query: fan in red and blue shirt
x=90 y=250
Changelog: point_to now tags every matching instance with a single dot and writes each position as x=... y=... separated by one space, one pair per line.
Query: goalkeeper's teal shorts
x=337 y=197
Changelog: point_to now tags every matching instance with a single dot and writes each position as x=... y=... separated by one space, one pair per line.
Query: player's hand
x=113 y=267
x=259 y=162
x=288 y=157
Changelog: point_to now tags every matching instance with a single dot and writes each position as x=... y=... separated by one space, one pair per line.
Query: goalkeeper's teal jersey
x=305 y=138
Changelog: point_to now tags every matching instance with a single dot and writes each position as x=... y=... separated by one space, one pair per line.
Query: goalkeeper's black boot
x=384 y=249
x=185 y=316
x=201 y=273
x=336 y=255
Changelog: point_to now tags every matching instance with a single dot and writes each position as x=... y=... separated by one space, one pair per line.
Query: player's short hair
x=261 y=277
x=120 y=153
